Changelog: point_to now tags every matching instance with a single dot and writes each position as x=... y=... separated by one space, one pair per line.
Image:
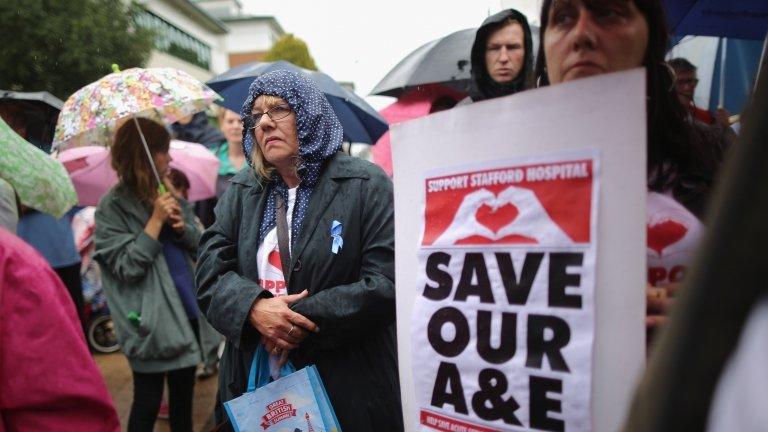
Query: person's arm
x=348 y=312
x=225 y=297
x=126 y=253
x=189 y=235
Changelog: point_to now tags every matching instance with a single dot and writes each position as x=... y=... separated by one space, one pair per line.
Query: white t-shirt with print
x=268 y=256
x=673 y=235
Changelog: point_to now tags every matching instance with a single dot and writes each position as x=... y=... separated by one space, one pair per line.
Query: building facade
x=205 y=38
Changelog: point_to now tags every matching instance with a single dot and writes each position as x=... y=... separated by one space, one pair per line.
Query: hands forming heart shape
x=515 y=211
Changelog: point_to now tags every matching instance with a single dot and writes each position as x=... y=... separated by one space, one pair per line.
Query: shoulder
x=344 y=166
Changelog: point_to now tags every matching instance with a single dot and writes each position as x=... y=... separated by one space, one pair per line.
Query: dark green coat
x=352 y=294
x=136 y=278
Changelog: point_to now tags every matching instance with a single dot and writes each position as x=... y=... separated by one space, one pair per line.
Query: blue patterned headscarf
x=319 y=133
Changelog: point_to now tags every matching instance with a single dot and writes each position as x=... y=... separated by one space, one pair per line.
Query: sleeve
x=126 y=254
x=49 y=379
x=190 y=238
x=348 y=312
x=225 y=297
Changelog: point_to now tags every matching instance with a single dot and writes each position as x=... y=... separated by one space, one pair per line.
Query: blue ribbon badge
x=338 y=242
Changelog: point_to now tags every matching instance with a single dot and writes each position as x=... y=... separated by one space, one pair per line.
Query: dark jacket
x=352 y=295
x=484 y=86
x=198 y=130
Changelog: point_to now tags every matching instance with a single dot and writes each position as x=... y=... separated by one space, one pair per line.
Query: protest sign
x=520 y=260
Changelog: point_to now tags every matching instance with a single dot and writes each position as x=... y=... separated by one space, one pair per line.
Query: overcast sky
x=360 y=41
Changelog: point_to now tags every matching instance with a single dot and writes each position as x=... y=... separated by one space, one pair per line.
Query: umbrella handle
x=160 y=186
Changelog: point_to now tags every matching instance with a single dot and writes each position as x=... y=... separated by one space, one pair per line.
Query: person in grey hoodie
x=144 y=240
x=502 y=56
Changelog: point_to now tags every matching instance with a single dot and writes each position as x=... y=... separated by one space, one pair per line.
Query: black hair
x=680 y=64
x=674 y=152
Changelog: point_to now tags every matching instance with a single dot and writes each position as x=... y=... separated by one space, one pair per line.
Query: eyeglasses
x=688 y=81
x=277 y=112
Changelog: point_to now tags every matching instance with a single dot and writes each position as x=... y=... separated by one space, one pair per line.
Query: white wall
x=161 y=59
x=219 y=59
x=249 y=36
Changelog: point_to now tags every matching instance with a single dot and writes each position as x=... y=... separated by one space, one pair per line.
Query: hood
x=318 y=129
x=198 y=130
x=486 y=88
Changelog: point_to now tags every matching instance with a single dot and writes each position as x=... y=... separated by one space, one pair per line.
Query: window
x=174 y=41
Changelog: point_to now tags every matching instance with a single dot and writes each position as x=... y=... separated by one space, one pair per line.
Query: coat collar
x=340 y=166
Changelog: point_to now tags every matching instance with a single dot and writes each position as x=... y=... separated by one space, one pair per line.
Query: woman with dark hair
x=144 y=242
x=300 y=257
x=582 y=38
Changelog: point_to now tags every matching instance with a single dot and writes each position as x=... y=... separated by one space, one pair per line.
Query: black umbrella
x=40 y=110
x=360 y=121
x=444 y=61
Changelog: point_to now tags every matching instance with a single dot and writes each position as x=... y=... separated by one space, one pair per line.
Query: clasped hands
x=281 y=328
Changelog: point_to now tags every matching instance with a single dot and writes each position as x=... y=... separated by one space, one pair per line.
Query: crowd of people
x=253 y=262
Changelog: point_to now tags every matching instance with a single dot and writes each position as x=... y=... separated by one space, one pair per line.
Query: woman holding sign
x=582 y=38
x=301 y=257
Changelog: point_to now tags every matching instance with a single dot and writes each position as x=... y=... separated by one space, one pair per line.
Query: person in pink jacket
x=48 y=379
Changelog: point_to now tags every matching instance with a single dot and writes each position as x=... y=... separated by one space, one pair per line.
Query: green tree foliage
x=292 y=49
x=62 y=45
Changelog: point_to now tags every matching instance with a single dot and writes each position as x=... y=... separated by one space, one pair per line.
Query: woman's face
x=232 y=127
x=277 y=139
x=163 y=163
x=592 y=37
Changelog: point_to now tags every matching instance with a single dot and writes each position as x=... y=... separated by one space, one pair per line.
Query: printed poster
x=503 y=323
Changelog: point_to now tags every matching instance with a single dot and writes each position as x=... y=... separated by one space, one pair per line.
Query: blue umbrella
x=361 y=123
x=740 y=19
x=746 y=20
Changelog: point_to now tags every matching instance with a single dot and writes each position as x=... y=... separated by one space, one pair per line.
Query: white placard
x=599 y=121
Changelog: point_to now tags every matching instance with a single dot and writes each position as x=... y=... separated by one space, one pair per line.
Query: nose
x=503 y=55
x=584 y=31
x=266 y=119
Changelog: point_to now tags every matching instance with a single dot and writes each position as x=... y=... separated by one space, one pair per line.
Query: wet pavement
x=117 y=374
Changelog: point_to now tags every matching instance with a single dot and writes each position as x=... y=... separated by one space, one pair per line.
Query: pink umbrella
x=91 y=173
x=413 y=104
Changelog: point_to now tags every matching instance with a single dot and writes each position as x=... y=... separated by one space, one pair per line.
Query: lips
x=584 y=68
x=270 y=139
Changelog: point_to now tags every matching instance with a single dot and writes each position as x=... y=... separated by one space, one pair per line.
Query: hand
x=282 y=328
x=722 y=118
x=658 y=302
x=164 y=207
x=177 y=222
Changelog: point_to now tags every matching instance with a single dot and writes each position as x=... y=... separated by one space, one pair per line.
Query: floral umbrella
x=40 y=181
x=92 y=114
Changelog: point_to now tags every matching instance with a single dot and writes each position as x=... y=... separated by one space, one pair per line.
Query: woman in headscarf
x=582 y=38
x=333 y=215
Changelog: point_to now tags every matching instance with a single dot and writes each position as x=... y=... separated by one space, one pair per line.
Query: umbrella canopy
x=40 y=181
x=92 y=175
x=361 y=123
x=445 y=61
x=40 y=111
x=741 y=19
x=42 y=97
x=412 y=104
x=91 y=115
